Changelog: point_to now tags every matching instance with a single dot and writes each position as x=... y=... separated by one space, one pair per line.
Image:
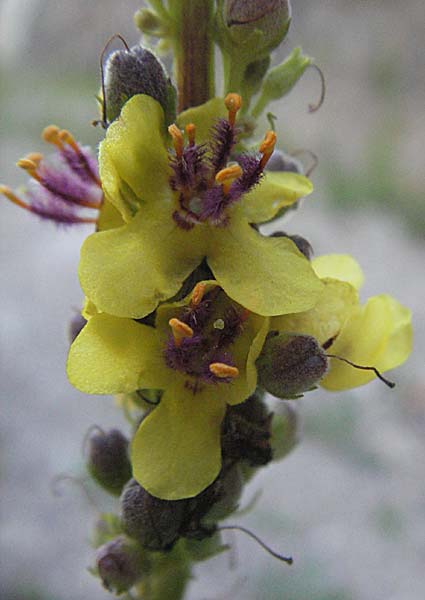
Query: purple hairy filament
x=65 y=187
x=202 y=337
x=206 y=183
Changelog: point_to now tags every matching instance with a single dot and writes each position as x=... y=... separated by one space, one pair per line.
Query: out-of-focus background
x=349 y=502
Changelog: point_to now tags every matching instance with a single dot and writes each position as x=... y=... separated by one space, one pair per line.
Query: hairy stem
x=193 y=50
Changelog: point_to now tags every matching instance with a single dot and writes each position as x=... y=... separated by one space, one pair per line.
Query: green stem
x=193 y=50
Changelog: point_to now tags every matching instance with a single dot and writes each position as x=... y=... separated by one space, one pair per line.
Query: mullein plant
x=192 y=314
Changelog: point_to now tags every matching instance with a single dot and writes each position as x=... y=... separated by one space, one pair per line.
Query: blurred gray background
x=349 y=503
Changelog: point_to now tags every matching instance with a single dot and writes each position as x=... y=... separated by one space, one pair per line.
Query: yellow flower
x=376 y=334
x=202 y=354
x=190 y=206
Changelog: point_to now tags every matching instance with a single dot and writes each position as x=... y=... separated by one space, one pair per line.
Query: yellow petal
x=339 y=266
x=203 y=117
x=378 y=334
x=113 y=355
x=134 y=151
x=269 y=276
x=326 y=319
x=176 y=451
x=128 y=271
x=275 y=191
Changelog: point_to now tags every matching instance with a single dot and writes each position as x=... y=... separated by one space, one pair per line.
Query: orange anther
x=26 y=164
x=67 y=138
x=227 y=176
x=177 y=136
x=223 y=371
x=190 y=132
x=180 y=330
x=35 y=157
x=6 y=191
x=233 y=103
x=198 y=294
x=267 y=147
x=50 y=135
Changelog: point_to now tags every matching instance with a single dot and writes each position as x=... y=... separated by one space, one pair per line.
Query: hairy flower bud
x=137 y=71
x=270 y=17
x=290 y=364
x=153 y=522
x=108 y=461
x=246 y=432
x=120 y=564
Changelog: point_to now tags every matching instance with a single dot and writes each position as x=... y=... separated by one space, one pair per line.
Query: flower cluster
x=192 y=313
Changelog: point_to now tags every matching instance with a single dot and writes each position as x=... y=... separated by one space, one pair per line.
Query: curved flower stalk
x=202 y=354
x=377 y=333
x=192 y=204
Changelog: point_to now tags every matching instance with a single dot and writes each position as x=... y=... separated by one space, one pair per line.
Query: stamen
x=8 y=193
x=191 y=132
x=67 y=138
x=197 y=294
x=227 y=176
x=50 y=135
x=223 y=371
x=30 y=167
x=267 y=147
x=35 y=157
x=177 y=136
x=27 y=164
x=233 y=103
x=180 y=330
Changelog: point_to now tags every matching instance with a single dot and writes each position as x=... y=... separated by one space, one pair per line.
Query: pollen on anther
x=180 y=330
x=177 y=136
x=267 y=147
x=27 y=164
x=233 y=103
x=224 y=371
x=198 y=294
x=191 y=132
x=227 y=176
x=50 y=135
x=66 y=137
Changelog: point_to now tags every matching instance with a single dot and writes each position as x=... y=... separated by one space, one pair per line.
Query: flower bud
x=153 y=522
x=137 y=71
x=120 y=564
x=290 y=364
x=280 y=80
x=271 y=18
x=108 y=461
x=246 y=432
x=149 y=22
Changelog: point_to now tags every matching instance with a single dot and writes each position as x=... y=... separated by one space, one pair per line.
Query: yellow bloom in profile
x=201 y=354
x=376 y=334
x=191 y=205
